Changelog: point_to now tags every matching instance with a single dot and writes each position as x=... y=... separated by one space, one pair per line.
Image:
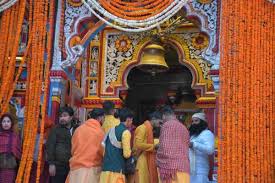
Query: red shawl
x=172 y=156
x=10 y=143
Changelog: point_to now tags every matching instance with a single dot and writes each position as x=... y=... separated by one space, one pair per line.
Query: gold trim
x=56 y=99
x=75 y=4
x=206 y=102
x=205 y=1
x=198 y=79
x=92 y=98
x=125 y=64
x=187 y=61
x=92 y=78
x=94 y=44
x=206 y=99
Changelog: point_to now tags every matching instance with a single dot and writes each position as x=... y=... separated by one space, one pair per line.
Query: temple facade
x=92 y=62
x=107 y=68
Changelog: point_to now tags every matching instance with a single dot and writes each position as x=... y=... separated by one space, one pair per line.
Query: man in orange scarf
x=87 y=151
x=145 y=147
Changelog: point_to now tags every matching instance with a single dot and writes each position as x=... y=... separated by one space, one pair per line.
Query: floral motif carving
x=196 y=53
x=200 y=41
x=123 y=43
x=210 y=10
x=71 y=14
x=115 y=58
x=208 y=13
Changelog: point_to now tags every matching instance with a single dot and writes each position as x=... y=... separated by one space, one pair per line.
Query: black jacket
x=58 y=146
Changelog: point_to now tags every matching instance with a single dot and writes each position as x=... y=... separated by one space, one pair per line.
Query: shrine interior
x=149 y=92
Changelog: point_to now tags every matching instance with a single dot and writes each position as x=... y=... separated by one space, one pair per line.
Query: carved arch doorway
x=147 y=93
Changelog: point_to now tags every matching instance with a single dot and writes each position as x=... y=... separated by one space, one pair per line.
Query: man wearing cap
x=202 y=143
x=87 y=151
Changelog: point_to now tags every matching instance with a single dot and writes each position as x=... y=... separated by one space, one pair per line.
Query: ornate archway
x=111 y=85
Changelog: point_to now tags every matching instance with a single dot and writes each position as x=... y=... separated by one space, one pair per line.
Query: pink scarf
x=172 y=156
x=10 y=143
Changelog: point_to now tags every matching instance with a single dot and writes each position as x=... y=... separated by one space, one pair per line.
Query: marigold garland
x=45 y=97
x=246 y=101
x=139 y=12
x=134 y=16
x=38 y=71
x=11 y=20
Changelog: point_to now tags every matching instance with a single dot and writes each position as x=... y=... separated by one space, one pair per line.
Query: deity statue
x=93 y=69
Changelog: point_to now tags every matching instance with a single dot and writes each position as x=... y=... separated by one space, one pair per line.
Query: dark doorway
x=147 y=93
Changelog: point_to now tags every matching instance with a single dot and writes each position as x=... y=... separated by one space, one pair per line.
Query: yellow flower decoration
x=200 y=41
x=123 y=43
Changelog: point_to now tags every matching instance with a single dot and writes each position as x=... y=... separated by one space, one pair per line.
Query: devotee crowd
x=107 y=148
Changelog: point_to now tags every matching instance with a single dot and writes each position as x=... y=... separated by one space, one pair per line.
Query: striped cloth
x=10 y=143
x=172 y=156
x=7 y=175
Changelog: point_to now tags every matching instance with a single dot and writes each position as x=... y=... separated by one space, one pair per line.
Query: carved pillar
x=57 y=93
x=57 y=75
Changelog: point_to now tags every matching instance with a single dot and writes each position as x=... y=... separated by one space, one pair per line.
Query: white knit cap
x=200 y=116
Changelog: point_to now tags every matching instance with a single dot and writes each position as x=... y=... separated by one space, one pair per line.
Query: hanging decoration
x=41 y=16
x=5 y=4
x=247 y=99
x=11 y=19
x=134 y=16
x=153 y=59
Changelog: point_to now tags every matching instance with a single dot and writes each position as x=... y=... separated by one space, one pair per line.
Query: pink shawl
x=172 y=156
x=10 y=143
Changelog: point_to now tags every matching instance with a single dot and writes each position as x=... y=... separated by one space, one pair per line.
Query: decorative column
x=57 y=96
x=57 y=75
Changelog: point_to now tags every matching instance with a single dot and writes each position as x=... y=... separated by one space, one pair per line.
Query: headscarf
x=200 y=115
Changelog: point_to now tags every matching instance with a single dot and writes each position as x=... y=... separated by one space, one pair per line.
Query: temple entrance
x=149 y=92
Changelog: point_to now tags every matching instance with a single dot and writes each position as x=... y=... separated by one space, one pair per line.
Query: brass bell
x=152 y=59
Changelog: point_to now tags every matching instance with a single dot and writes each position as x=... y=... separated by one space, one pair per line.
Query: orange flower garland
x=12 y=19
x=37 y=73
x=45 y=97
x=135 y=10
x=246 y=101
